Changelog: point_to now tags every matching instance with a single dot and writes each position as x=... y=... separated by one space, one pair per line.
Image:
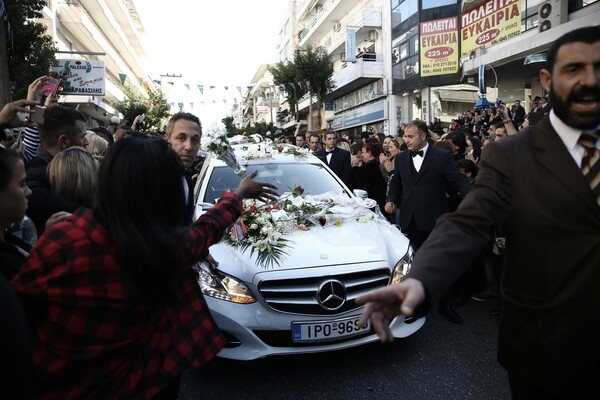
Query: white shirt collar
x=425 y=148
x=567 y=134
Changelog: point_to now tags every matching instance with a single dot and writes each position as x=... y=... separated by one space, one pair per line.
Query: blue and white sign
x=351 y=44
x=367 y=114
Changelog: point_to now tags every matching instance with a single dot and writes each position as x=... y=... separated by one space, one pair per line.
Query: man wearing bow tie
x=419 y=185
x=337 y=159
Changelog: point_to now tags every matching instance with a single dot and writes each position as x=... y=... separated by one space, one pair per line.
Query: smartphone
x=49 y=88
x=37 y=115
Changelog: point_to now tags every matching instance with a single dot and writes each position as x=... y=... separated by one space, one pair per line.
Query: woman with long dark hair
x=110 y=293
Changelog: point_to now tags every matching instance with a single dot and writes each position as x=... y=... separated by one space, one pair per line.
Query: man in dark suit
x=338 y=160
x=543 y=186
x=419 y=186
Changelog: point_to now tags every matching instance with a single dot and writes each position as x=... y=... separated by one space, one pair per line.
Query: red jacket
x=94 y=337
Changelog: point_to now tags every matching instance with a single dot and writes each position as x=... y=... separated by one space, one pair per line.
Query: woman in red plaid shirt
x=115 y=308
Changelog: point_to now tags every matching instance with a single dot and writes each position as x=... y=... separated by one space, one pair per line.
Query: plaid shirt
x=95 y=338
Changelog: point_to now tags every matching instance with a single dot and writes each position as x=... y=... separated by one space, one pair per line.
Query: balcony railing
x=370 y=65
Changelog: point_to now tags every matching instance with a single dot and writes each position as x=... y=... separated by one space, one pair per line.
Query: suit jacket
x=369 y=178
x=423 y=195
x=340 y=164
x=550 y=324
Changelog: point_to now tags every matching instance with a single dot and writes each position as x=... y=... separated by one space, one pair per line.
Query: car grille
x=299 y=296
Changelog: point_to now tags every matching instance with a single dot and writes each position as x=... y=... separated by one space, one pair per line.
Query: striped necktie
x=590 y=164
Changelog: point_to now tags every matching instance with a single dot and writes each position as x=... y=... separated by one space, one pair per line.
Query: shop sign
x=363 y=95
x=488 y=24
x=362 y=115
x=81 y=77
x=439 y=47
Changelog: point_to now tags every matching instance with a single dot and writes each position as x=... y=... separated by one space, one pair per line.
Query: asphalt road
x=441 y=361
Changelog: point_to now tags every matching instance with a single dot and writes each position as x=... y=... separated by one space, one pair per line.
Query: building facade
x=107 y=30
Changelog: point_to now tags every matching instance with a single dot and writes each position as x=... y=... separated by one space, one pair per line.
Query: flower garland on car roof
x=262 y=227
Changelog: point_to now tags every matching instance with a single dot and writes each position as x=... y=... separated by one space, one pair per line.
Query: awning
x=461 y=96
x=91 y=106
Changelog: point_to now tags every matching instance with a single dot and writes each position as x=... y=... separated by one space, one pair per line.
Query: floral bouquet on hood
x=215 y=141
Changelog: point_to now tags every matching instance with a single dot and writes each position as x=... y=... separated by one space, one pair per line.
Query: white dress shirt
x=418 y=160
x=569 y=137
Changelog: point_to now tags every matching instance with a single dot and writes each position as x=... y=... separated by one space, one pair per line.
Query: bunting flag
x=213 y=102
x=180 y=105
x=226 y=87
x=212 y=87
x=202 y=102
x=239 y=88
x=186 y=86
x=156 y=81
x=249 y=87
x=170 y=83
x=191 y=105
x=122 y=78
x=201 y=89
x=224 y=101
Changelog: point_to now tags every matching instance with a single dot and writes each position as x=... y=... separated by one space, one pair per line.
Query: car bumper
x=254 y=331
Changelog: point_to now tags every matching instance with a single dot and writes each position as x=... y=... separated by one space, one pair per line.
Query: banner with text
x=439 y=47
x=81 y=77
x=489 y=24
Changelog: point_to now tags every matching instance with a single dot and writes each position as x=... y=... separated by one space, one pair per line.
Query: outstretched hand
x=9 y=117
x=383 y=305
x=251 y=189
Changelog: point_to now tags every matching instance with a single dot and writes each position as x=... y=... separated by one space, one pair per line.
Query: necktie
x=590 y=164
x=415 y=153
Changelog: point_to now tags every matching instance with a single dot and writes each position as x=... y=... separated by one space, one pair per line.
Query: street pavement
x=441 y=361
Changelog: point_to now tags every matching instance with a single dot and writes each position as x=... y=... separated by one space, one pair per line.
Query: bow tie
x=415 y=153
x=328 y=151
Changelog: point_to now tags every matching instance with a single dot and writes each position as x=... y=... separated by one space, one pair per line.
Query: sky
x=211 y=43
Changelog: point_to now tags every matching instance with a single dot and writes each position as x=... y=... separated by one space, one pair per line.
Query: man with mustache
x=543 y=186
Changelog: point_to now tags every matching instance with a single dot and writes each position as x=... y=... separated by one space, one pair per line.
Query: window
x=403 y=9
x=436 y=3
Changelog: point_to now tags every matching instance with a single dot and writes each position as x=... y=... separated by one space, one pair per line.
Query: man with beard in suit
x=543 y=186
x=338 y=160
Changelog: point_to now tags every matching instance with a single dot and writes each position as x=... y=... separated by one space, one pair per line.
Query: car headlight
x=402 y=267
x=223 y=287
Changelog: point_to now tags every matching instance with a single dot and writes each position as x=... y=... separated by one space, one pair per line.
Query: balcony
x=355 y=75
x=364 y=21
x=317 y=24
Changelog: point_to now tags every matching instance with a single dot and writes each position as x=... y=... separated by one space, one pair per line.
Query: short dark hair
x=181 y=115
x=373 y=146
x=458 y=139
x=59 y=120
x=589 y=35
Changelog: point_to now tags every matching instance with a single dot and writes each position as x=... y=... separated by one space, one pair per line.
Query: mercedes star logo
x=331 y=294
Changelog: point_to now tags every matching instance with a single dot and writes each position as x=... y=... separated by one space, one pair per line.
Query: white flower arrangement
x=215 y=141
x=262 y=227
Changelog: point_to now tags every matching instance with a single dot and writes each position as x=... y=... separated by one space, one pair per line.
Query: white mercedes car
x=304 y=303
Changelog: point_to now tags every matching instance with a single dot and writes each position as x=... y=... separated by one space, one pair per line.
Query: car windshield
x=313 y=178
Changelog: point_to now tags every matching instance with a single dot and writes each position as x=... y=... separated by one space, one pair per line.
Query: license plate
x=322 y=331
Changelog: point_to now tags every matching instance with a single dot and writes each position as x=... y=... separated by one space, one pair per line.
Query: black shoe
x=449 y=313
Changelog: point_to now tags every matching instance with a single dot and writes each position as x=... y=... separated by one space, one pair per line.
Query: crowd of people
x=105 y=302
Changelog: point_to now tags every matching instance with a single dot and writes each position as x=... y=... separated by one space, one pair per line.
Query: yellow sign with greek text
x=488 y=24
x=439 y=47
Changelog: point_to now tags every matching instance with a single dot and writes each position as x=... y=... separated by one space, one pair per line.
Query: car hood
x=351 y=243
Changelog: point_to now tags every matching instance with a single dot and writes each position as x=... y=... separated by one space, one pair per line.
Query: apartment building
x=107 y=30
